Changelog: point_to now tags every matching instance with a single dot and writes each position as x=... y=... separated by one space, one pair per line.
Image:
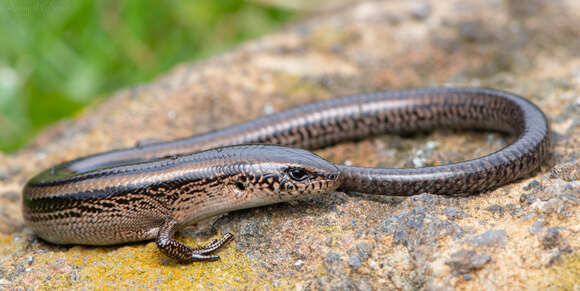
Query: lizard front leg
x=181 y=252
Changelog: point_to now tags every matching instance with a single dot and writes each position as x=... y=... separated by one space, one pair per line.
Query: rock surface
x=523 y=235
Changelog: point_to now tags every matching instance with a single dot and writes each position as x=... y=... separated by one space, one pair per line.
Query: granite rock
x=342 y=241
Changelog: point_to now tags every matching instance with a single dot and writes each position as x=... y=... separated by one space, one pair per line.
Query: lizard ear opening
x=240 y=186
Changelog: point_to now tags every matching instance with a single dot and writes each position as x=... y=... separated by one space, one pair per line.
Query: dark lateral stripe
x=64 y=201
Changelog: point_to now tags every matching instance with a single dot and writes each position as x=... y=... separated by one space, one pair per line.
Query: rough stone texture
x=463 y=262
x=526 y=234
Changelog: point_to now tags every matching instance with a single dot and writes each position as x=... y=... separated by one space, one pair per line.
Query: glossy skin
x=77 y=186
x=152 y=200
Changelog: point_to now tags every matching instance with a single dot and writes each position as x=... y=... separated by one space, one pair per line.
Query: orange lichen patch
x=5 y=239
x=142 y=267
x=7 y=247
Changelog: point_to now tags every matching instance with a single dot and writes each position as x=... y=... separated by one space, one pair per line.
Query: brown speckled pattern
x=152 y=201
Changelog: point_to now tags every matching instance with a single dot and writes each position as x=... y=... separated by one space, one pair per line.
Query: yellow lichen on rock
x=562 y=276
x=142 y=267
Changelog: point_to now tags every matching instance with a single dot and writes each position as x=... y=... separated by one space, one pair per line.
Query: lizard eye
x=297 y=174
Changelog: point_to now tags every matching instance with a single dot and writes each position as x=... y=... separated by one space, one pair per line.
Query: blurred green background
x=57 y=56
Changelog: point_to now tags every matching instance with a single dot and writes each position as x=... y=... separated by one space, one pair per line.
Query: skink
x=152 y=191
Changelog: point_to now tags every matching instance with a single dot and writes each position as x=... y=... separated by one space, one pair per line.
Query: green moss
x=58 y=56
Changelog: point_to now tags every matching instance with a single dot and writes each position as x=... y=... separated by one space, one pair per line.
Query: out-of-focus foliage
x=56 y=56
